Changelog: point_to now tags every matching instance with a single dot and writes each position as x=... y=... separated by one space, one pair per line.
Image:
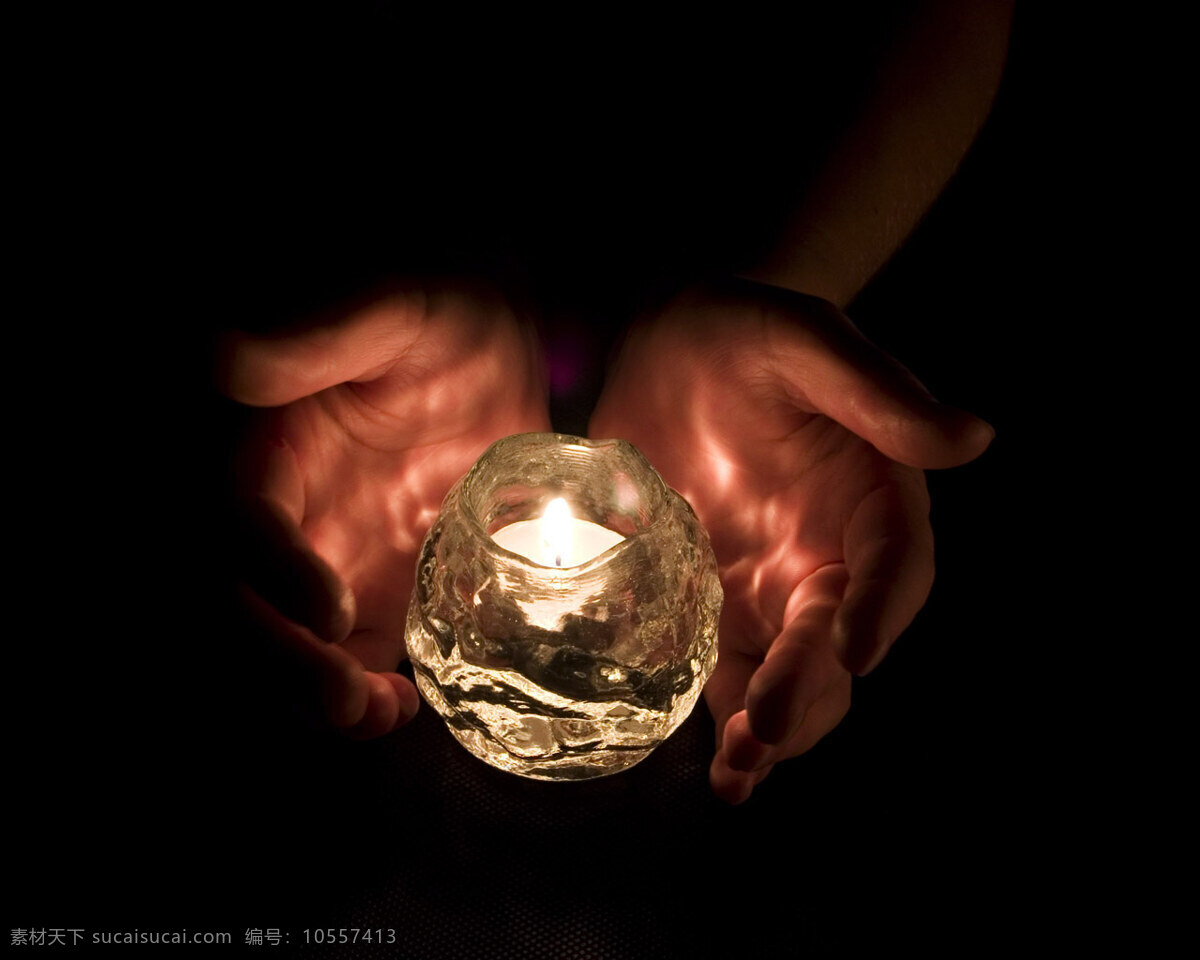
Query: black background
x=157 y=780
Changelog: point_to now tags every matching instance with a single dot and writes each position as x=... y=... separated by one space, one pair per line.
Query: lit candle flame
x=556 y=532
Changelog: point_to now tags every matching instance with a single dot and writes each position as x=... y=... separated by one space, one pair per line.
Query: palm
x=373 y=488
x=360 y=465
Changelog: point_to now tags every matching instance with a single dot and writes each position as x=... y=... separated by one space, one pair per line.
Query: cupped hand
x=800 y=446
x=371 y=416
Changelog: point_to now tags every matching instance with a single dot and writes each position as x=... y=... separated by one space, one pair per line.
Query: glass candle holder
x=572 y=671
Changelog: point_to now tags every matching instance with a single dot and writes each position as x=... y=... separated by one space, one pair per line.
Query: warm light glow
x=557 y=538
x=556 y=533
x=553 y=647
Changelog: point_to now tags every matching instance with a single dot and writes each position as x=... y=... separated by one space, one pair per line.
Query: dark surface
x=157 y=785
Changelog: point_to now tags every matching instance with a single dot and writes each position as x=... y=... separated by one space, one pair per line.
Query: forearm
x=932 y=93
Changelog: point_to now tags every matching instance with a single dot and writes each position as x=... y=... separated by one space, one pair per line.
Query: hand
x=797 y=442
x=374 y=415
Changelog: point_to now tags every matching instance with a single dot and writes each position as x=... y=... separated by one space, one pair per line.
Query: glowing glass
x=571 y=671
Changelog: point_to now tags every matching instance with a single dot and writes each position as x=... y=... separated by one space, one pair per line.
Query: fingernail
x=733 y=790
x=875 y=660
x=410 y=703
x=747 y=755
x=858 y=646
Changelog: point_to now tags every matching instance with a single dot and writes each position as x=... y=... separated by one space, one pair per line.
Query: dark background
x=156 y=779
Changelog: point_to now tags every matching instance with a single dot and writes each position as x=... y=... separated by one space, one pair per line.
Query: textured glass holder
x=573 y=672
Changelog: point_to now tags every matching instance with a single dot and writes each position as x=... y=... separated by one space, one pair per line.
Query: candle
x=555 y=647
x=557 y=539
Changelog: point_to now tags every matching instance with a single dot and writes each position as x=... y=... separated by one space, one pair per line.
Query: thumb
x=841 y=374
x=360 y=340
x=272 y=554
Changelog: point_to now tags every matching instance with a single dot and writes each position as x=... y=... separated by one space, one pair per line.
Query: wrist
x=804 y=269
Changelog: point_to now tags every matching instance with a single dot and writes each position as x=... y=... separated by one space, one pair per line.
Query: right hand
x=368 y=420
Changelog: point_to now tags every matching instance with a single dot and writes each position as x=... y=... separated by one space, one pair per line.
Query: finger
x=733 y=786
x=406 y=694
x=331 y=677
x=743 y=754
x=725 y=692
x=280 y=564
x=392 y=702
x=841 y=374
x=274 y=556
x=889 y=554
x=822 y=717
x=801 y=664
x=362 y=341
x=740 y=749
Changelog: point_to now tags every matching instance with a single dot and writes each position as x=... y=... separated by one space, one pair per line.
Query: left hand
x=798 y=444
